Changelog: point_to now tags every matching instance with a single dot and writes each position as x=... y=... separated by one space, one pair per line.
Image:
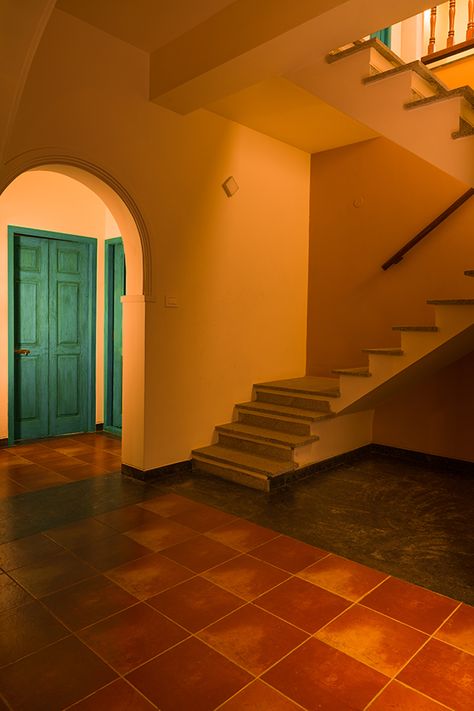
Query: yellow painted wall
x=48 y=201
x=352 y=303
x=238 y=267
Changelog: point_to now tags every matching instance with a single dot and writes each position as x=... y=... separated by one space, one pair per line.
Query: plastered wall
x=367 y=200
x=236 y=266
x=48 y=201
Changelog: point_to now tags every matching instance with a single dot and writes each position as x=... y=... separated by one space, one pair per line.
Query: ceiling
x=146 y=24
x=275 y=107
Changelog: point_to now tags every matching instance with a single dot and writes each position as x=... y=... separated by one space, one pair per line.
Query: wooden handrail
x=398 y=256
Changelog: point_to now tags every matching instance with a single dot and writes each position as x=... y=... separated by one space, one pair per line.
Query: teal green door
x=53 y=336
x=114 y=290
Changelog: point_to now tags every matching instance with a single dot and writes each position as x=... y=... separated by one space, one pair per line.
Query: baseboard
x=434 y=460
x=302 y=472
x=157 y=472
x=99 y=426
x=4 y=442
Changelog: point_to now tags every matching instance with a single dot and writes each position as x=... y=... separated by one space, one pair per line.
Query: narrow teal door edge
x=14 y=230
x=108 y=326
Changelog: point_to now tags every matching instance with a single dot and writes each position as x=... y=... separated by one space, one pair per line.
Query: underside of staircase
x=405 y=102
x=291 y=425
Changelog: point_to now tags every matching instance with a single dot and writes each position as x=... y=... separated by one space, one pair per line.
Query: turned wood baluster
x=470 y=20
x=432 y=40
x=452 y=13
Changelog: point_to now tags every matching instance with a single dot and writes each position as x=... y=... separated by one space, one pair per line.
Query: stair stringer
x=423 y=352
x=425 y=130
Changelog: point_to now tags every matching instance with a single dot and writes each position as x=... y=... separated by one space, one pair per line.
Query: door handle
x=23 y=351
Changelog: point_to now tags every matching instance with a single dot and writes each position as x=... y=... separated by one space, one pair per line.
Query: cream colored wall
x=237 y=266
x=48 y=201
x=367 y=200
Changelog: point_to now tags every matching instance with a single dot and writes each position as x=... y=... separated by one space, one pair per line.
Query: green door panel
x=115 y=289
x=68 y=336
x=31 y=334
x=54 y=304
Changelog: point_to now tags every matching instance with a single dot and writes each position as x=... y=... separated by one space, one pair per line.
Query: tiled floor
x=175 y=605
x=124 y=596
x=52 y=462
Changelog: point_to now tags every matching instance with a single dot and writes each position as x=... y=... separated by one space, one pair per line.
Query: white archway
x=135 y=237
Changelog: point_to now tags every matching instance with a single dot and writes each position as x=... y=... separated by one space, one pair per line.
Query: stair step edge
x=451 y=302
x=360 y=45
x=323 y=392
x=416 y=329
x=356 y=372
x=267 y=436
x=241 y=470
x=253 y=463
x=383 y=351
x=263 y=408
x=418 y=68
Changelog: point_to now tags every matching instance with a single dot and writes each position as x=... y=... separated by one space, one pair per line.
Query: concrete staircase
x=406 y=103
x=293 y=424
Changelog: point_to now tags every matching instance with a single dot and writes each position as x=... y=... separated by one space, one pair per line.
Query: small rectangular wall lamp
x=230 y=186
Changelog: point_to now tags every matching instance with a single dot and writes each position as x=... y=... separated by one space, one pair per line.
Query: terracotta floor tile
x=88 y=602
x=242 y=535
x=303 y=604
x=35 y=477
x=52 y=574
x=459 y=629
x=126 y=518
x=149 y=575
x=372 y=638
x=132 y=637
x=444 y=673
x=107 y=553
x=321 y=678
x=11 y=594
x=64 y=464
x=410 y=604
x=105 y=460
x=246 y=577
x=397 y=697
x=189 y=676
x=289 y=554
x=117 y=696
x=8 y=488
x=259 y=697
x=169 y=504
x=80 y=533
x=203 y=518
x=252 y=638
x=200 y=553
x=58 y=676
x=343 y=577
x=161 y=533
x=84 y=471
x=27 y=550
x=26 y=629
x=195 y=603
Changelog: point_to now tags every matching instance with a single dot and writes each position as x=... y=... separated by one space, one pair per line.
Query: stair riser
x=292 y=401
x=299 y=428
x=262 y=449
x=230 y=474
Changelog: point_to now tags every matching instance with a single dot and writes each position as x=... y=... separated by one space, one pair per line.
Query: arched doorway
x=132 y=229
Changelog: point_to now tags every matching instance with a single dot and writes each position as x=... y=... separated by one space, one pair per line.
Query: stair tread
x=362 y=372
x=284 y=410
x=359 y=45
x=464 y=92
x=418 y=68
x=416 y=328
x=383 y=351
x=244 y=460
x=308 y=384
x=266 y=435
x=451 y=302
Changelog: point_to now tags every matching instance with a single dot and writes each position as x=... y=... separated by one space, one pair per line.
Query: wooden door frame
x=13 y=231
x=108 y=324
